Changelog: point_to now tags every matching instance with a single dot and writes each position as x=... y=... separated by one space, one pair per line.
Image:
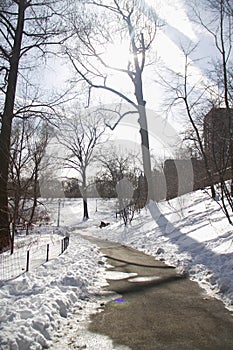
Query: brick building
x=217 y=137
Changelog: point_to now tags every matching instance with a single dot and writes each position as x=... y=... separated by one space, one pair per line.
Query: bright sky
x=177 y=30
x=173 y=13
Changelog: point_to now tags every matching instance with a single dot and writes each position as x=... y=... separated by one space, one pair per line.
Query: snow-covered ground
x=190 y=233
x=49 y=306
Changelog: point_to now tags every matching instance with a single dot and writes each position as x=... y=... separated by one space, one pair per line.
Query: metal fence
x=24 y=260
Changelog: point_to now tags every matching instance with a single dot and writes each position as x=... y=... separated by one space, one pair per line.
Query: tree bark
x=35 y=193
x=85 y=209
x=84 y=194
x=138 y=85
x=6 y=127
x=146 y=151
x=143 y=131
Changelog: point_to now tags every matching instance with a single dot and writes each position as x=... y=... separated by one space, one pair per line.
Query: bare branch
x=104 y=87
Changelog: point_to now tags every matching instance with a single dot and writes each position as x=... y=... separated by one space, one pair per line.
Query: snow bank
x=36 y=304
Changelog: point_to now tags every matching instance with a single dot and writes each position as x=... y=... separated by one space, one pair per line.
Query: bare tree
x=121 y=176
x=220 y=26
x=181 y=90
x=37 y=148
x=195 y=100
x=26 y=29
x=115 y=164
x=127 y=21
x=71 y=188
x=80 y=133
x=28 y=144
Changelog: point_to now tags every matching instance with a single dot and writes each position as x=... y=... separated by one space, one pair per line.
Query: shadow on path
x=137 y=264
x=168 y=313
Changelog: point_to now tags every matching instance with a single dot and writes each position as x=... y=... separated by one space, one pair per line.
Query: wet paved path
x=160 y=309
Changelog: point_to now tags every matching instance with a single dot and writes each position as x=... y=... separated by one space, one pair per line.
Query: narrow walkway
x=159 y=309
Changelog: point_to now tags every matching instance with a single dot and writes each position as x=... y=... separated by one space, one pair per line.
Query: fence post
x=47 y=254
x=27 y=265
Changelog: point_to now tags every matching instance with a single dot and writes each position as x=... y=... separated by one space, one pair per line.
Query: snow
x=49 y=306
x=190 y=233
x=34 y=305
x=117 y=275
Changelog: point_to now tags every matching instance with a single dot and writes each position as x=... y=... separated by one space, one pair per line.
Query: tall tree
x=25 y=26
x=80 y=133
x=130 y=22
x=192 y=96
x=219 y=25
x=195 y=99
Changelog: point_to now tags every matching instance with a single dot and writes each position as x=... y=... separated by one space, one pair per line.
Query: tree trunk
x=85 y=209
x=146 y=151
x=15 y=217
x=138 y=85
x=144 y=134
x=35 y=194
x=84 y=194
x=6 y=126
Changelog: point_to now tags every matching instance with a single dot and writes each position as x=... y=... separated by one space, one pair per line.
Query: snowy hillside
x=49 y=305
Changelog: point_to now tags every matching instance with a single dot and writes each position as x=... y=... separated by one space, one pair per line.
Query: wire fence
x=24 y=260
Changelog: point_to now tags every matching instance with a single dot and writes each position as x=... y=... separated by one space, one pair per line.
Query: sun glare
x=117 y=55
